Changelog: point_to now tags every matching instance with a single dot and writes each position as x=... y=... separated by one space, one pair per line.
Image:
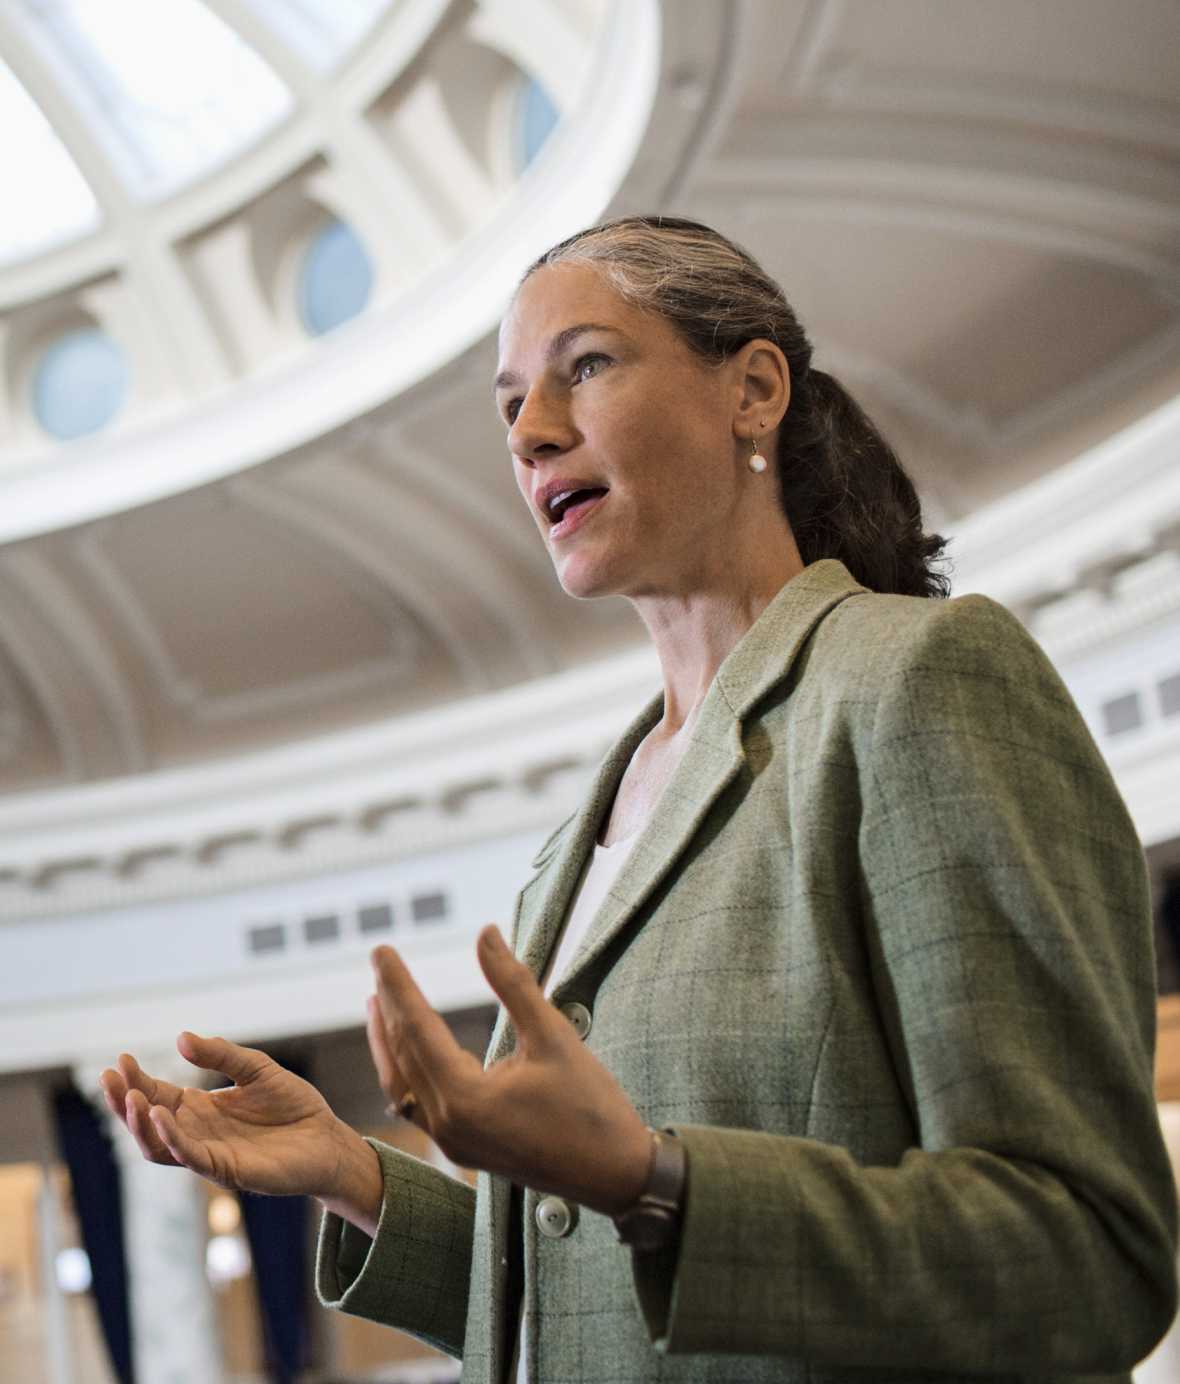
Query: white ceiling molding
x=1020 y=206
x=390 y=347
x=468 y=575
x=94 y=711
x=503 y=762
x=953 y=427
x=1075 y=527
x=981 y=238
x=542 y=40
x=1120 y=601
x=1078 y=108
x=94 y=549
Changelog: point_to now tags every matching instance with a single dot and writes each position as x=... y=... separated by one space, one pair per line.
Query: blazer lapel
x=542 y=904
x=714 y=757
x=761 y=659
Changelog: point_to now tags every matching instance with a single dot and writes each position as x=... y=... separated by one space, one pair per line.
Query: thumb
x=531 y=1013
x=241 y=1065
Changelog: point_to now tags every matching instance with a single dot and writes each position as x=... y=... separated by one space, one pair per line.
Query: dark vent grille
x=377 y=917
x=269 y=938
x=428 y=908
x=324 y=928
x=1122 y=714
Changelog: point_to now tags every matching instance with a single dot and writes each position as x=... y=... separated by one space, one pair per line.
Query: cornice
x=1095 y=617
x=507 y=761
x=1116 y=506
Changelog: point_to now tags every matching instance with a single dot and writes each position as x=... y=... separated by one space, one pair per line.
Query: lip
x=574 y=519
x=544 y=493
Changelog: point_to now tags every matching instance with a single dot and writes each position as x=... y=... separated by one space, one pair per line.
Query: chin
x=584 y=581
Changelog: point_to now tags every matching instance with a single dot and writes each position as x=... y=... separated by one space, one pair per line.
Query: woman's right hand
x=270 y=1131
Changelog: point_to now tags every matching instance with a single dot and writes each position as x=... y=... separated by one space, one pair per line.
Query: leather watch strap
x=653 y=1222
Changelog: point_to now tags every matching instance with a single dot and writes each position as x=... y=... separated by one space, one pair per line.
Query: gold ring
x=404 y=1107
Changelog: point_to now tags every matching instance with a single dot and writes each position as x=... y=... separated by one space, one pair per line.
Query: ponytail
x=847 y=496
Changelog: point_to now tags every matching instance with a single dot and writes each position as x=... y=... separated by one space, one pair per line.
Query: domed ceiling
x=252 y=487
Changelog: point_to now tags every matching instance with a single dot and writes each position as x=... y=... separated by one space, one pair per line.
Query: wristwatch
x=653 y=1222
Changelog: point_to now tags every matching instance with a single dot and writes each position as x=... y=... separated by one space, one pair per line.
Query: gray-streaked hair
x=844 y=491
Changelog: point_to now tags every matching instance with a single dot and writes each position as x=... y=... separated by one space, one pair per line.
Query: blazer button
x=579 y=1016
x=554 y=1217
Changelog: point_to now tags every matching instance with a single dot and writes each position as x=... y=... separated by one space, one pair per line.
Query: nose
x=541 y=428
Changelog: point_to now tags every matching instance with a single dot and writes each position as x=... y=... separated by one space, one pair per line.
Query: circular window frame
x=23 y=349
x=523 y=86
x=40 y=359
x=302 y=295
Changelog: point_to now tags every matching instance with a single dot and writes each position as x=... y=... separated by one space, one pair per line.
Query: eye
x=583 y=366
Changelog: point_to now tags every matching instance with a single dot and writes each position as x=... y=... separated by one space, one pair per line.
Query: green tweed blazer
x=882 y=957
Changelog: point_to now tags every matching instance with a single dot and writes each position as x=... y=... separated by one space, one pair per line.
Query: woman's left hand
x=549 y=1116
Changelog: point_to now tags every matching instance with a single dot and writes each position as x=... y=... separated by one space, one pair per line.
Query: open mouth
x=568 y=511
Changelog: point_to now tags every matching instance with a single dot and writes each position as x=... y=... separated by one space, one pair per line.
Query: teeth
x=557 y=499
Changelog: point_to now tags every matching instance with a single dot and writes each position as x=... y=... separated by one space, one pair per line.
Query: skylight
x=55 y=202
x=169 y=89
x=321 y=31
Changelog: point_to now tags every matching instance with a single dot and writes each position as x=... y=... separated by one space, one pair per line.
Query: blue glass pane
x=335 y=279
x=536 y=115
x=80 y=383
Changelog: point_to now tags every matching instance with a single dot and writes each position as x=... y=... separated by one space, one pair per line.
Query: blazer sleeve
x=414 y=1272
x=1006 y=920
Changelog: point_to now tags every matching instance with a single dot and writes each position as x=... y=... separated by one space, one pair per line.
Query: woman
x=853 y=909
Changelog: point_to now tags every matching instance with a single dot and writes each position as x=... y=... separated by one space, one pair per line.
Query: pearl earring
x=757 y=462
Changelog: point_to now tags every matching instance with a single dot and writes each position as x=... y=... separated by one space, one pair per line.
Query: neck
x=694 y=632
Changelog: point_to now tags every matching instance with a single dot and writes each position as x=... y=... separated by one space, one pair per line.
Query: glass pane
x=171 y=89
x=335 y=280
x=536 y=116
x=321 y=32
x=79 y=383
x=55 y=201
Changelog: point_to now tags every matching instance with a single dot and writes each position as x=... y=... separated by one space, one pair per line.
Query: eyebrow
x=561 y=342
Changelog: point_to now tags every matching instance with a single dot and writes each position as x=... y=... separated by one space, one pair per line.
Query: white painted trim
x=1115 y=504
x=459 y=773
x=389 y=349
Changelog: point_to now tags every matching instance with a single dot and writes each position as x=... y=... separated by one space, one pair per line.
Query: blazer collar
x=761 y=659
x=765 y=653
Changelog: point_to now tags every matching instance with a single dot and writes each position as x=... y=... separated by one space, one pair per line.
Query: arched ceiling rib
x=976 y=210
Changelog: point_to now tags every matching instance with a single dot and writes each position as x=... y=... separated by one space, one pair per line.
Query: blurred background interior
x=284 y=668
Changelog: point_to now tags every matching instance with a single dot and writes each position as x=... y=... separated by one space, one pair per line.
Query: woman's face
x=602 y=398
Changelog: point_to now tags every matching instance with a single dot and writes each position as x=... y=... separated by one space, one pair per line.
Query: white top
x=601 y=871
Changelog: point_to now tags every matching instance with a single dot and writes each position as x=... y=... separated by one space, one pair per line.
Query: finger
x=143 y=1131
x=156 y=1091
x=536 y=1021
x=241 y=1065
x=181 y=1147
x=114 y=1090
x=423 y=1046
x=389 y=1074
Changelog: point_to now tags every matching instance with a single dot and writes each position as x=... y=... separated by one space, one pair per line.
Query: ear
x=762 y=388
